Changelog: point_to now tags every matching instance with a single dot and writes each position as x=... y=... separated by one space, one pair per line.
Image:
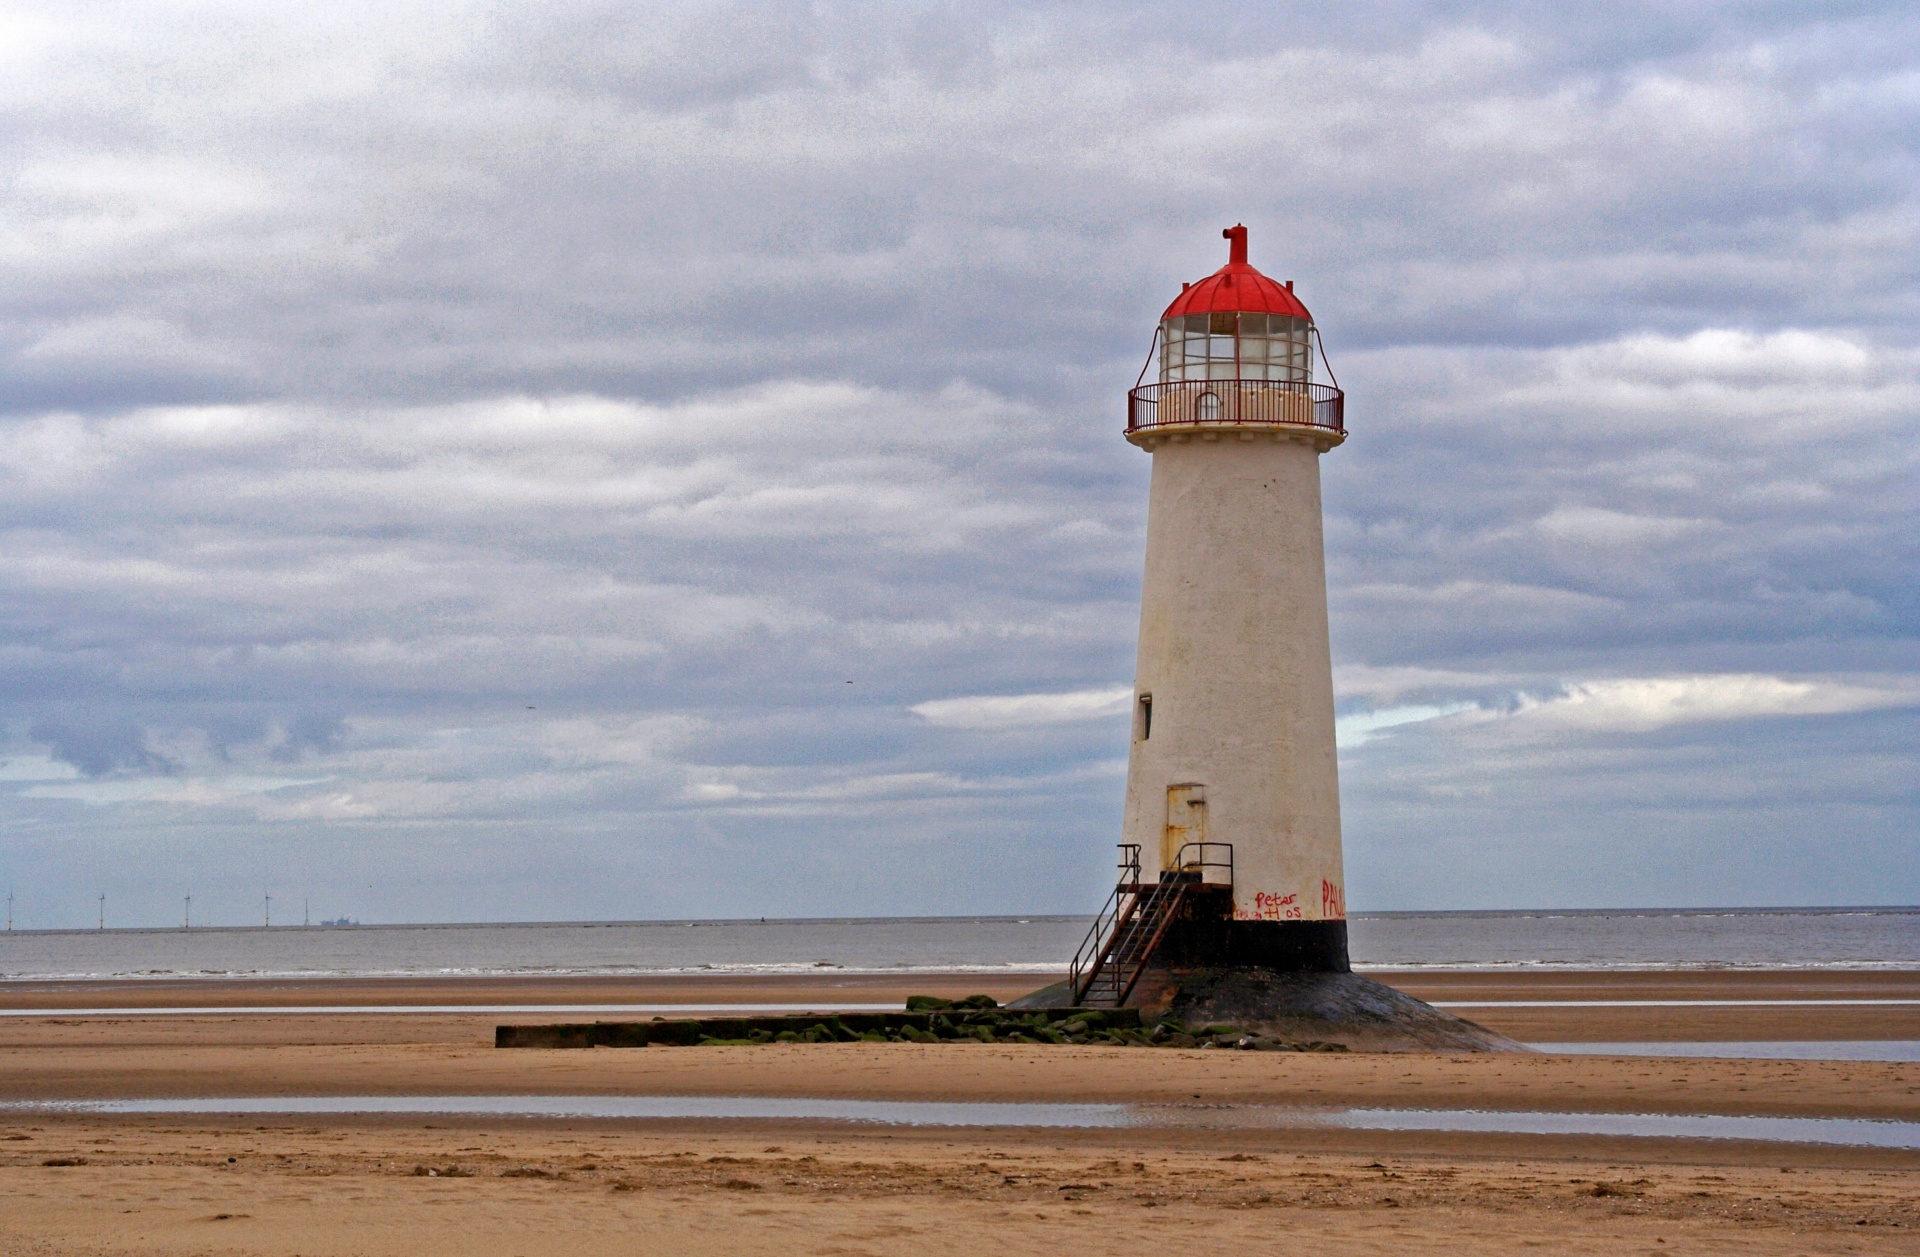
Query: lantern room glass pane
x=1271 y=347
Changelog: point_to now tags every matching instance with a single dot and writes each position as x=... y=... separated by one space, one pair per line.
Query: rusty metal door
x=1186 y=823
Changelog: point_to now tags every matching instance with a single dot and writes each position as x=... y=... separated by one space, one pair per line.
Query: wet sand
x=1507 y=992
x=1676 y=1023
x=361 y=1184
x=972 y=1071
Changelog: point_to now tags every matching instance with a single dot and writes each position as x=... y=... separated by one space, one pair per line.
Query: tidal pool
x=1855 y=1132
x=1782 y=1050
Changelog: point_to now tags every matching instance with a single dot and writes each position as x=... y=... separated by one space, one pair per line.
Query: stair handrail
x=1104 y=950
x=1188 y=874
x=1207 y=855
x=1168 y=893
x=1087 y=957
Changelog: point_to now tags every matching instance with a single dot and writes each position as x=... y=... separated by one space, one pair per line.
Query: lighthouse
x=1231 y=895
x=1232 y=759
x=1231 y=904
x=1230 y=851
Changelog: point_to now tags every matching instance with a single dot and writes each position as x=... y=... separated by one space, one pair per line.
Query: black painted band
x=1283 y=946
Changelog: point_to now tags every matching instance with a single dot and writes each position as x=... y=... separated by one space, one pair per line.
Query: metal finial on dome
x=1236 y=236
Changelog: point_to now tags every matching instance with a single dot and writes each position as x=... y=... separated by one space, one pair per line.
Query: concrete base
x=1344 y=1008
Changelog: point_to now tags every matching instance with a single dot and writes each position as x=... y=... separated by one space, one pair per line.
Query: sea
x=1637 y=939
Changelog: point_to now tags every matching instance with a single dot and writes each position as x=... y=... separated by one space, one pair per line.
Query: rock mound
x=1333 y=1008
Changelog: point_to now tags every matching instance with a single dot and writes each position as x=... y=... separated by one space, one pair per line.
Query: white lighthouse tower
x=1232 y=833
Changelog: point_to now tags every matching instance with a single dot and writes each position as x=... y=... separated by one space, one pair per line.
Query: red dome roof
x=1238 y=287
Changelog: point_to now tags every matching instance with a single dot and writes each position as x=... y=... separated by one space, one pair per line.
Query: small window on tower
x=1145 y=730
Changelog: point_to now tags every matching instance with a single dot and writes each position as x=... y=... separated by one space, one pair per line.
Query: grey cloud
x=97 y=747
x=569 y=201
x=1809 y=810
x=1653 y=502
x=458 y=458
x=308 y=732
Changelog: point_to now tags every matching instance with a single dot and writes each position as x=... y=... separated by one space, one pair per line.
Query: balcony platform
x=1180 y=411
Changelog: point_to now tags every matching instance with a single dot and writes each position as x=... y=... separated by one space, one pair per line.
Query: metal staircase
x=1129 y=927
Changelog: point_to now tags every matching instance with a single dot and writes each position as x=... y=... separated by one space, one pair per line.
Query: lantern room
x=1235 y=349
x=1235 y=345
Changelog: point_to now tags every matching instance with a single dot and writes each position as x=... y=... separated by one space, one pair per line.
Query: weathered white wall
x=1233 y=649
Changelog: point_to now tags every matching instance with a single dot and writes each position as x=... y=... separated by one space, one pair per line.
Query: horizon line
x=1013 y=917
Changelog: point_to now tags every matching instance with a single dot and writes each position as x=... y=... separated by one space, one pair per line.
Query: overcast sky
x=468 y=462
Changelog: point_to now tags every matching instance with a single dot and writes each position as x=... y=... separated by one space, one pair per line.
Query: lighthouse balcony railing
x=1267 y=403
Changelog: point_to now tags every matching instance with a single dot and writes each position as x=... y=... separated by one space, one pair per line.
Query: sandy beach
x=363 y=1188
x=89 y=1183
x=77 y=1182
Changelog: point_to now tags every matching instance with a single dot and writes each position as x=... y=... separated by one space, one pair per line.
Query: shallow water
x=1782 y=1050
x=457 y=1010
x=1854 y=1132
x=1843 y=938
